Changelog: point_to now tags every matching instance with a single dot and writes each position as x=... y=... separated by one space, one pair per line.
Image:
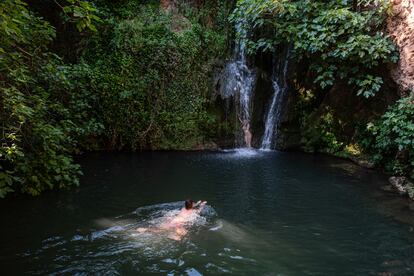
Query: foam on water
x=242 y=152
x=155 y=215
x=119 y=236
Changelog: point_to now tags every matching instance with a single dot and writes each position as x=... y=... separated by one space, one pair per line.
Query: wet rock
x=398 y=184
x=388 y=189
x=207 y=146
x=363 y=162
x=211 y=146
x=402 y=185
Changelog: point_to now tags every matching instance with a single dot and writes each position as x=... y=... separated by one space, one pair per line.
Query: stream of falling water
x=274 y=113
x=239 y=81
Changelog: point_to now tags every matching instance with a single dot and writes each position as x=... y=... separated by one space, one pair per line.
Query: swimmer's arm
x=201 y=205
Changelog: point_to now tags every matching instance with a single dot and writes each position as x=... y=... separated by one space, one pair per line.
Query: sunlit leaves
x=368 y=86
x=83 y=14
x=392 y=138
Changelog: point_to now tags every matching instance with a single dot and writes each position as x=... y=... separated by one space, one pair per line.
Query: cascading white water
x=274 y=113
x=238 y=80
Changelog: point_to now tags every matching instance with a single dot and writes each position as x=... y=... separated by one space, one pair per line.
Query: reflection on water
x=269 y=213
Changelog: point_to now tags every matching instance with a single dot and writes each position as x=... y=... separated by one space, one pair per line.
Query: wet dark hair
x=189 y=204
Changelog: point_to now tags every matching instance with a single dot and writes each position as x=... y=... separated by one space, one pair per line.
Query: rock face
x=400 y=26
x=178 y=21
x=167 y=5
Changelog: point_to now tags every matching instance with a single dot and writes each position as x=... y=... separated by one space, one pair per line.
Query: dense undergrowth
x=141 y=81
x=145 y=80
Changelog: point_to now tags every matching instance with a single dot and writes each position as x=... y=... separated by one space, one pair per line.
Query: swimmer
x=246 y=130
x=177 y=224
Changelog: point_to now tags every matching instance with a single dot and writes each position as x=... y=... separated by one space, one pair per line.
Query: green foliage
x=320 y=133
x=390 y=140
x=82 y=14
x=143 y=82
x=34 y=133
x=341 y=39
x=148 y=81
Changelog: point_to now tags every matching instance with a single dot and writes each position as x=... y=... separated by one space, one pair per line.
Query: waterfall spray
x=238 y=80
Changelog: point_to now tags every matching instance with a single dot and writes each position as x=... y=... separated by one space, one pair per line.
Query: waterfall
x=274 y=112
x=238 y=80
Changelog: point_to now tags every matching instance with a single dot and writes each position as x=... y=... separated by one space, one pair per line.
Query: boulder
x=402 y=185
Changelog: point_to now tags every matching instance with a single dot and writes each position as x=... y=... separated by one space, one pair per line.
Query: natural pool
x=270 y=213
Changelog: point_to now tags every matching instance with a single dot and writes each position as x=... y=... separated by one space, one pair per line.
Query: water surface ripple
x=269 y=213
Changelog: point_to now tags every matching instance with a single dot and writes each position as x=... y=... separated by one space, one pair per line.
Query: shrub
x=34 y=133
x=320 y=133
x=390 y=140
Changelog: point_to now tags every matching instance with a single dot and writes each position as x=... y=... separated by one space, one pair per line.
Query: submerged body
x=176 y=227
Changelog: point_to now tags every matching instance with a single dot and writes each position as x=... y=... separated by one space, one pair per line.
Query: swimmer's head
x=189 y=203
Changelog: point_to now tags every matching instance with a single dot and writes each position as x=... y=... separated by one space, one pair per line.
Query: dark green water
x=277 y=214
